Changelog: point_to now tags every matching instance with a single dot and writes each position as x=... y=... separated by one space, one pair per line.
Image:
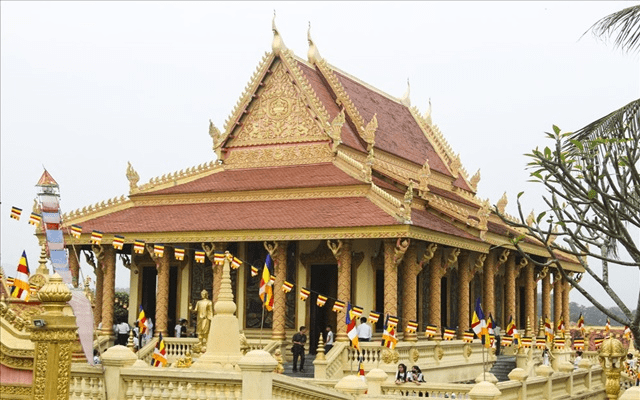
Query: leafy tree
x=592 y=185
x=121 y=308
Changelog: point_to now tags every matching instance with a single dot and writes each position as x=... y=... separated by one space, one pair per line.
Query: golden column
x=410 y=290
x=546 y=293
x=162 y=291
x=210 y=250
x=278 y=252
x=435 y=288
x=53 y=337
x=74 y=264
x=97 y=301
x=341 y=250
x=390 y=278
x=510 y=287
x=557 y=299
x=106 y=256
x=488 y=275
x=464 y=278
x=566 y=311
x=530 y=298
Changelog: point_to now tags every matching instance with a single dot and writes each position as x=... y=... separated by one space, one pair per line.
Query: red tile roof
x=298 y=176
x=451 y=196
x=428 y=220
x=254 y=215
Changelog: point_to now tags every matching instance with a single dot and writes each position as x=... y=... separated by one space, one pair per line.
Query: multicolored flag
x=560 y=327
x=506 y=341
x=374 y=316
x=581 y=323
x=598 y=342
x=338 y=306
x=159 y=357
x=479 y=325
x=527 y=342
x=352 y=334
x=304 y=294
x=357 y=311
x=199 y=256
x=361 y=371
x=548 y=330
x=287 y=286
x=541 y=343
x=430 y=331
x=96 y=237
x=138 y=246
x=392 y=320
x=118 y=242
x=490 y=325
x=254 y=271
x=35 y=219
x=266 y=289
x=468 y=337
x=321 y=300
x=158 y=250
x=449 y=334
x=76 y=231
x=235 y=263
x=389 y=335
x=218 y=258
x=412 y=326
x=142 y=322
x=578 y=343
x=272 y=280
x=15 y=213
x=558 y=343
x=20 y=288
x=178 y=253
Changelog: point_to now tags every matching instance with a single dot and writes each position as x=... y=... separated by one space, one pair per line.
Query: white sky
x=88 y=86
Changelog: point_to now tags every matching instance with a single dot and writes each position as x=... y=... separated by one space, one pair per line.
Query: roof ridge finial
x=277 y=45
x=427 y=117
x=313 y=55
x=405 y=100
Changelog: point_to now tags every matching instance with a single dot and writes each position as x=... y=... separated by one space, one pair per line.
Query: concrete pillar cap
x=484 y=390
x=352 y=384
x=118 y=355
x=518 y=374
x=544 y=370
x=486 y=377
x=565 y=366
x=633 y=393
x=257 y=360
x=377 y=374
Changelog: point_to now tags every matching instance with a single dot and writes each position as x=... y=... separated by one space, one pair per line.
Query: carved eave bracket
x=429 y=252
x=450 y=257
x=133 y=178
x=521 y=265
x=369 y=132
x=478 y=263
x=335 y=131
x=401 y=248
x=502 y=259
x=336 y=247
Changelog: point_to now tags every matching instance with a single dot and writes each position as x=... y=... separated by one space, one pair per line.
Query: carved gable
x=277 y=115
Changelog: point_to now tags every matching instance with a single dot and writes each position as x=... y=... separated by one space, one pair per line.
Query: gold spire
x=502 y=203
x=405 y=100
x=475 y=179
x=277 y=45
x=427 y=116
x=313 y=55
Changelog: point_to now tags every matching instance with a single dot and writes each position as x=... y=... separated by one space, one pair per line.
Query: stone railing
x=331 y=367
x=285 y=387
x=175 y=347
x=437 y=390
x=87 y=382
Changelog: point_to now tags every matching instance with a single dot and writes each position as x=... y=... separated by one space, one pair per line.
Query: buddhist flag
x=511 y=327
x=96 y=237
x=581 y=323
x=272 y=280
x=352 y=334
x=389 y=335
x=598 y=342
x=527 y=342
x=548 y=330
x=235 y=263
x=287 y=286
x=578 y=343
x=218 y=258
x=76 y=231
x=178 y=253
x=361 y=371
x=158 y=250
x=506 y=341
x=490 y=325
x=479 y=325
x=468 y=337
x=304 y=294
x=138 y=246
x=35 y=219
x=431 y=331
x=118 y=242
x=607 y=327
x=266 y=289
x=15 y=213
x=449 y=334
x=392 y=320
x=199 y=256
x=20 y=288
x=560 y=327
x=142 y=322
x=357 y=311
x=558 y=343
x=159 y=354
x=541 y=343
x=412 y=326
x=374 y=316
x=254 y=271
x=321 y=300
x=627 y=332
x=338 y=306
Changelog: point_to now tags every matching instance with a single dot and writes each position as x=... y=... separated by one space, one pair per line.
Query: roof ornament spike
x=475 y=179
x=405 y=100
x=215 y=134
x=133 y=177
x=313 y=55
x=427 y=116
x=277 y=45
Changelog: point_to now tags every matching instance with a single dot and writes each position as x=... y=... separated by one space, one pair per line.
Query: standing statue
x=204 y=312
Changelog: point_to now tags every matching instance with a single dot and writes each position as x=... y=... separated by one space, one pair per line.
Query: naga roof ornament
x=475 y=179
x=313 y=55
x=531 y=218
x=277 y=45
x=425 y=174
x=369 y=132
x=215 y=134
x=455 y=166
x=335 y=132
x=427 y=115
x=502 y=203
x=405 y=100
x=133 y=177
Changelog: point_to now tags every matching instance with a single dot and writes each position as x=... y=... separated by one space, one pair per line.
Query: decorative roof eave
x=390 y=204
x=177 y=178
x=96 y=210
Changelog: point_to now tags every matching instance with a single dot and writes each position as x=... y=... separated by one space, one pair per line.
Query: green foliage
x=121 y=307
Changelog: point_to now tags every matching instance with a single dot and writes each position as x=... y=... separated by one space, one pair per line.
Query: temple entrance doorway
x=324 y=280
x=148 y=292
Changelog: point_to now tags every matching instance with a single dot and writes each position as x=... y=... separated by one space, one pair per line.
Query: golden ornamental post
x=53 y=334
x=611 y=356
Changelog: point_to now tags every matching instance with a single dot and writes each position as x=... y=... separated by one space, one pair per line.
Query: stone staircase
x=503 y=366
x=308 y=367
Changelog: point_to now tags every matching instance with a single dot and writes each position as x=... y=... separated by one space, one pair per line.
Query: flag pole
x=261 y=325
x=484 y=365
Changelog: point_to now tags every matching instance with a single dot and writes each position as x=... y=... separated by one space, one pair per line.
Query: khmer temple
x=357 y=197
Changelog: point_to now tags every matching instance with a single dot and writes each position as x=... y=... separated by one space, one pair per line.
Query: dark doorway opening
x=148 y=301
x=324 y=280
x=444 y=304
x=173 y=299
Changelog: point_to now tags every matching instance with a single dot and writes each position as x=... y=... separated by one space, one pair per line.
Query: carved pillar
x=510 y=287
x=435 y=289
x=53 y=343
x=390 y=278
x=97 y=302
x=107 y=257
x=557 y=299
x=466 y=271
x=341 y=250
x=546 y=295
x=74 y=264
x=410 y=290
x=530 y=299
x=488 y=298
x=565 y=303
x=210 y=249
x=162 y=293
x=278 y=252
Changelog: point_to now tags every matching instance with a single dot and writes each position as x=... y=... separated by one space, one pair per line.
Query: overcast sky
x=88 y=86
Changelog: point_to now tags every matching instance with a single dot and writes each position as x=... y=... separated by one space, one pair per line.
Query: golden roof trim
x=96 y=210
x=352 y=166
x=390 y=204
x=179 y=177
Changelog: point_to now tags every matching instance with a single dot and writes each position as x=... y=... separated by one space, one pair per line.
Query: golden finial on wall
x=405 y=99
x=313 y=55
x=132 y=176
x=277 y=45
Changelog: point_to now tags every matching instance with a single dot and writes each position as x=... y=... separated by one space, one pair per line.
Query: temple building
x=355 y=194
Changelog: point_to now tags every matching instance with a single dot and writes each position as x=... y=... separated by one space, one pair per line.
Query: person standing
x=364 y=331
x=299 y=339
x=178 y=329
x=123 y=333
x=328 y=344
